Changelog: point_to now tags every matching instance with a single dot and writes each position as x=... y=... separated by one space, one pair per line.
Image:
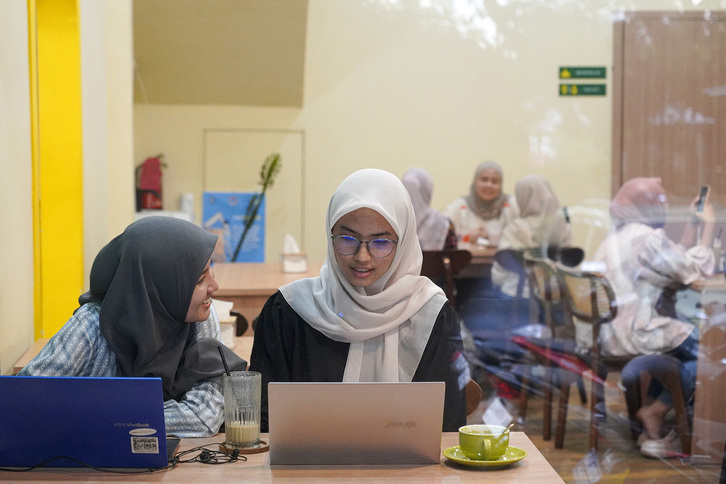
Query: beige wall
x=16 y=242
x=106 y=38
x=107 y=83
x=401 y=86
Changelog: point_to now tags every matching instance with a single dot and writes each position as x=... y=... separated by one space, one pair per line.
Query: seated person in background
x=541 y=224
x=370 y=315
x=643 y=266
x=435 y=230
x=486 y=210
x=149 y=314
x=656 y=440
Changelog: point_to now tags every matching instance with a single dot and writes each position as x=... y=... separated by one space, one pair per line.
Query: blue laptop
x=82 y=421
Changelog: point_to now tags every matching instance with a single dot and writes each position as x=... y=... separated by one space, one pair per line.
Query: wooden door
x=669 y=102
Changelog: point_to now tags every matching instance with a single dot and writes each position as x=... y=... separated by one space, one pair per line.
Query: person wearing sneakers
x=659 y=439
x=645 y=269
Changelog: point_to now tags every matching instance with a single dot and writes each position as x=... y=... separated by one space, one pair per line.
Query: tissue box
x=294 y=262
x=229 y=329
x=227 y=322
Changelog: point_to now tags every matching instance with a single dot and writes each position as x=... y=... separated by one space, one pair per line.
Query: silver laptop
x=355 y=423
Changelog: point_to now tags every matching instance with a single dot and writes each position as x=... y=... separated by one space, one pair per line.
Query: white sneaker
x=666 y=448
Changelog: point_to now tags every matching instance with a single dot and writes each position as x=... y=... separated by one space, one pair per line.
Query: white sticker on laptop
x=144 y=445
x=143 y=432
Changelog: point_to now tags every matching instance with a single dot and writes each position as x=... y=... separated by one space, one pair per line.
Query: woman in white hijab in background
x=435 y=230
x=541 y=224
x=370 y=316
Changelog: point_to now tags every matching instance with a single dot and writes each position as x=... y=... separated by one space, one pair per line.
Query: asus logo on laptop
x=403 y=425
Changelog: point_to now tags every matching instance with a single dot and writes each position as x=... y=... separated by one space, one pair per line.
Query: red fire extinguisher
x=148 y=184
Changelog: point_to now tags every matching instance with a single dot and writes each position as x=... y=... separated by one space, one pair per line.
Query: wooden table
x=480 y=254
x=533 y=468
x=709 y=418
x=29 y=355
x=249 y=285
x=482 y=258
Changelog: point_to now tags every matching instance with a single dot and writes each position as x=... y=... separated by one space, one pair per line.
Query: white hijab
x=432 y=226
x=389 y=322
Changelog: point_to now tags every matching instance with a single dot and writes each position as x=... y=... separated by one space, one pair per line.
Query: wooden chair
x=512 y=260
x=542 y=279
x=441 y=266
x=588 y=300
x=242 y=324
x=473 y=396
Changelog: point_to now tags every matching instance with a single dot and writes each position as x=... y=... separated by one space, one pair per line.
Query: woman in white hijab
x=541 y=224
x=370 y=316
x=435 y=230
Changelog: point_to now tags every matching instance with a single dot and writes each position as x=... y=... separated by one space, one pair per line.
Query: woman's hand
x=707 y=214
x=480 y=232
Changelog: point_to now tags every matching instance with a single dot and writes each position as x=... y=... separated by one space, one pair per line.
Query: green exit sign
x=582 y=72
x=582 y=90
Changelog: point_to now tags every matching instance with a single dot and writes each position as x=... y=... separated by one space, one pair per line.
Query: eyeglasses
x=348 y=245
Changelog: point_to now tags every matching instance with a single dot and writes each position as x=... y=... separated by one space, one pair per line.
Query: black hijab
x=144 y=280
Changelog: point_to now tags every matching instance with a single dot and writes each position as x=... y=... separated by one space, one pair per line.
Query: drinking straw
x=224 y=361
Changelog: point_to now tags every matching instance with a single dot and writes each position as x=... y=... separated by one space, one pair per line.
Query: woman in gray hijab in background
x=486 y=210
x=149 y=313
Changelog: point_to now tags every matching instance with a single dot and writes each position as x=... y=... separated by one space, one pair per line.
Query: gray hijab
x=144 y=280
x=486 y=210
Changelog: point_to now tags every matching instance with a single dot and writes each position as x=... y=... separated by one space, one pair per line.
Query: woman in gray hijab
x=486 y=210
x=149 y=313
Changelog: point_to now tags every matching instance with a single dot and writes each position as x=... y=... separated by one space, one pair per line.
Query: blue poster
x=224 y=214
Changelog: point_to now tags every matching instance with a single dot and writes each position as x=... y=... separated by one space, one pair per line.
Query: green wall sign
x=582 y=72
x=582 y=90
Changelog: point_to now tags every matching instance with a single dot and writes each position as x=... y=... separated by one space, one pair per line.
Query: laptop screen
x=355 y=423
x=77 y=421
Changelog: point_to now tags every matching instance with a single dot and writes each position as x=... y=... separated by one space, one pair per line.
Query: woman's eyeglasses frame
x=367 y=244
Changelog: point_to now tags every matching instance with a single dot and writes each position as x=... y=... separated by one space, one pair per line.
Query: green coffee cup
x=483 y=442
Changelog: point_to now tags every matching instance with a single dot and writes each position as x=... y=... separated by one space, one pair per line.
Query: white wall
x=16 y=241
x=395 y=85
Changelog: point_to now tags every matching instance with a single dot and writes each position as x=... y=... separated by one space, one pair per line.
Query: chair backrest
x=512 y=260
x=568 y=256
x=543 y=286
x=442 y=265
x=587 y=298
x=473 y=396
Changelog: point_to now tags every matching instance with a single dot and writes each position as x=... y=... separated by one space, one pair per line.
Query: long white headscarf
x=389 y=322
x=542 y=222
x=432 y=226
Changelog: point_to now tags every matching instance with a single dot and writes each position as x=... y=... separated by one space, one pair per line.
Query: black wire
x=205 y=456
x=83 y=464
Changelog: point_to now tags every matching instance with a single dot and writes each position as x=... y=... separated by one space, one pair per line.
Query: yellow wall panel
x=59 y=183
